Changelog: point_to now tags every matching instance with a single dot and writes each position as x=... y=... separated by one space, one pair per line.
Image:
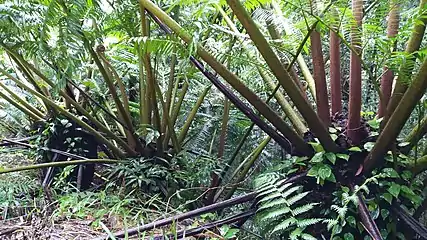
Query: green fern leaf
x=289 y=191
x=308 y=222
x=274 y=203
x=297 y=197
x=307 y=236
x=285 y=225
x=303 y=209
x=274 y=214
x=270 y=197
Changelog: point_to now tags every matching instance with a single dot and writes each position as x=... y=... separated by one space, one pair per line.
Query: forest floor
x=29 y=212
x=23 y=219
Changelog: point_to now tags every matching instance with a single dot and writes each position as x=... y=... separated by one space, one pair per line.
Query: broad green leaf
x=351 y=220
x=324 y=171
x=348 y=236
x=333 y=136
x=368 y=146
x=317 y=147
x=318 y=157
x=343 y=156
x=312 y=172
x=331 y=157
x=388 y=197
x=391 y=172
x=332 y=178
x=403 y=144
x=394 y=189
x=384 y=213
x=355 y=149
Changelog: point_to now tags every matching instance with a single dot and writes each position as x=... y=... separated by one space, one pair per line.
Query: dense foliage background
x=127 y=111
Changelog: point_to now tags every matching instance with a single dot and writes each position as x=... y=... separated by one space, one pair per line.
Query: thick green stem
x=254 y=156
x=416 y=134
x=291 y=88
x=166 y=119
x=235 y=82
x=300 y=60
x=168 y=98
x=192 y=115
x=20 y=107
x=413 y=45
x=398 y=119
x=105 y=69
x=51 y=103
x=286 y=107
x=420 y=166
x=22 y=101
x=57 y=164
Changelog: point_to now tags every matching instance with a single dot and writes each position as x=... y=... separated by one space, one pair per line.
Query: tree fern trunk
x=387 y=78
x=335 y=72
x=320 y=78
x=355 y=102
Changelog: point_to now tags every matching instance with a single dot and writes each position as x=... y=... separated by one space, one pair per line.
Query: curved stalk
x=397 y=120
x=16 y=104
x=51 y=103
x=413 y=45
x=291 y=88
x=192 y=115
x=286 y=107
x=22 y=101
x=57 y=164
x=300 y=60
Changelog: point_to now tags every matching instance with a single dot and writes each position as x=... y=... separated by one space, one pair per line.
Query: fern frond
x=290 y=191
x=271 y=196
x=308 y=222
x=330 y=223
x=296 y=198
x=285 y=224
x=276 y=213
x=302 y=209
x=274 y=203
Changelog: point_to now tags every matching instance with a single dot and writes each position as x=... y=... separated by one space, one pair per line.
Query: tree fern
x=281 y=208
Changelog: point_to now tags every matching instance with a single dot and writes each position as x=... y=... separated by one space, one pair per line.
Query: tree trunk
x=335 y=72
x=354 y=128
x=320 y=78
x=387 y=78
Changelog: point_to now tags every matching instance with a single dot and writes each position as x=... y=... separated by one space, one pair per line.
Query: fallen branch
x=190 y=214
x=57 y=164
x=46 y=149
x=209 y=226
x=368 y=222
x=410 y=221
x=13 y=141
